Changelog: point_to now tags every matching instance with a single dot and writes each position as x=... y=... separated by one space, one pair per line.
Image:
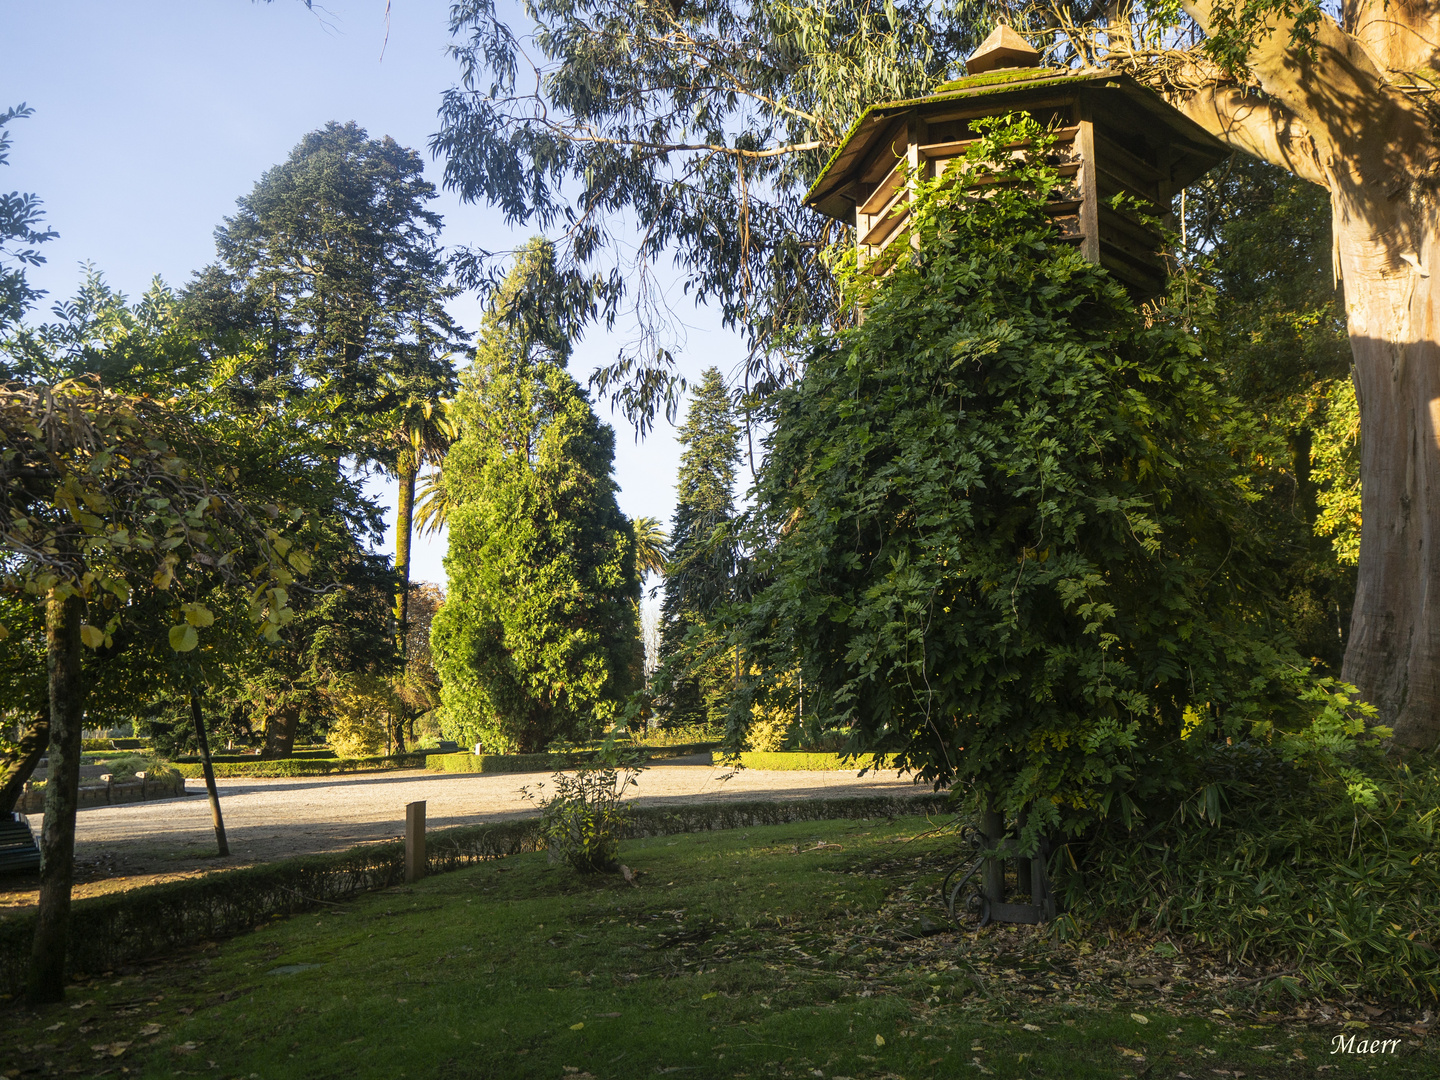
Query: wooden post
x=1089 y=188
x=414 y=841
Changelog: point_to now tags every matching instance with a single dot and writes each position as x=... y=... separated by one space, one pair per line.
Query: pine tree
x=696 y=676
x=539 y=635
x=334 y=260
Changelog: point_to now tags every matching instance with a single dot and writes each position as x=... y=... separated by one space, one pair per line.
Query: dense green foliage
x=333 y=262
x=697 y=674
x=1275 y=865
x=539 y=635
x=1260 y=239
x=278 y=453
x=1006 y=526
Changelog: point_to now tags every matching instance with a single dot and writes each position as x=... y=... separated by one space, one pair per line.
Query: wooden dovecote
x=1112 y=135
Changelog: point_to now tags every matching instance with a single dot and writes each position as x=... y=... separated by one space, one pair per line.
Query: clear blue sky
x=152 y=118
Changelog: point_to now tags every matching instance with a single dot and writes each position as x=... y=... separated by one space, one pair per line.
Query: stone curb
x=142 y=789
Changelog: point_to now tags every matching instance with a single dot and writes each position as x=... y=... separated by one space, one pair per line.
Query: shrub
x=364 y=708
x=682 y=735
x=306 y=767
x=1269 y=862
x=582 y=822
x=1006 y=524
x=800 y=760
x=125 y=768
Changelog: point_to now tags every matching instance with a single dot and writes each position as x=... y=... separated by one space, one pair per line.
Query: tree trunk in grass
x=21 y=766
x=63 y=615
x=200 y=737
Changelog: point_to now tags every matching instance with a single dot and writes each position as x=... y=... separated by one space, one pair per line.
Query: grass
x=789 y=950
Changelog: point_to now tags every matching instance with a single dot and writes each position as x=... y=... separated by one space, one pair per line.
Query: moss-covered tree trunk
x=63 y=615
x=404 y=516
x=20 y=765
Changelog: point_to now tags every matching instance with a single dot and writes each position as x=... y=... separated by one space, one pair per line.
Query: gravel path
x=119 y=847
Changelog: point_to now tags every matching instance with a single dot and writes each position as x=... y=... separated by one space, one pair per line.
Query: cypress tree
x=695 y=675
x=539 y=635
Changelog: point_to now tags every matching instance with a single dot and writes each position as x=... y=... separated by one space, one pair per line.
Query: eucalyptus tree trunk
x=1338 y=115
x=63 y=615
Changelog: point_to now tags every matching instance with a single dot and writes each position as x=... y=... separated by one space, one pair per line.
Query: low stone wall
x=166 y=785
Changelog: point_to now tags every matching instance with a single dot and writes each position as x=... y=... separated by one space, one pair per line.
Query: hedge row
x=108 y=932
x=800 y=760
x=325 y=754
x=521 y=763
x=304 y=766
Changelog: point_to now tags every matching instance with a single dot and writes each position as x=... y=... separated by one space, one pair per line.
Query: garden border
x=465 y=762
x=808 y=761
x=108 y=932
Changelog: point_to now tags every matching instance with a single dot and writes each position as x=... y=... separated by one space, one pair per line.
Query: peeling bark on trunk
x=46 y=980
x=1394 y=649
x=1334 y=115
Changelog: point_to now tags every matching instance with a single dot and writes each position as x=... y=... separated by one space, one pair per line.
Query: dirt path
x=120 y=847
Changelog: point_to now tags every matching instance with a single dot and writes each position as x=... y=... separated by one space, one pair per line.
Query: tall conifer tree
x=539 y=635
x=334 y=260
x=701 y=567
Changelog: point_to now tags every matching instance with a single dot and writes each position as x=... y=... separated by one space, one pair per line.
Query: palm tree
x=423 y=433
x=432 y=507
x=652 y=546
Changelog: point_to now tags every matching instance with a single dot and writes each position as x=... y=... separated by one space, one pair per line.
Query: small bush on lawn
x=583 y=821
x=1270 y=862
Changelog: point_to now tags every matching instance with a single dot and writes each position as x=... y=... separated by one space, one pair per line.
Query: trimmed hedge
x=497 y=763
x=800 y=760
x=246 y=759
x=108 y=745
x=110 y=931
x=281 y=767
x=522 y=763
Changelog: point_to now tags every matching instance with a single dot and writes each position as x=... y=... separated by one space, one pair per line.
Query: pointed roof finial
x=1004 y=48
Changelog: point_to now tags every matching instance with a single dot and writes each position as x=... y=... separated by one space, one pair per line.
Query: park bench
x=18 y=851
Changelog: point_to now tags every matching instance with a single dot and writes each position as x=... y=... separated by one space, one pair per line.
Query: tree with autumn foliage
x=108 y=499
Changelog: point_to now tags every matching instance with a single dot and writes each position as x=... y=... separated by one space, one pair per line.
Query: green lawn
x=792 y=950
